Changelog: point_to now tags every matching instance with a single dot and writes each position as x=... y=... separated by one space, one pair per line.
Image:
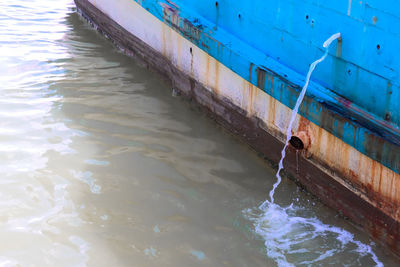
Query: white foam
x=293 y=240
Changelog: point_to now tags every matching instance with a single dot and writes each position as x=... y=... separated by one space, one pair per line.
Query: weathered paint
x=335 y=139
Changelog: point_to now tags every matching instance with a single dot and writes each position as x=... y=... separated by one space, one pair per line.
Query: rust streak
x=397 y=188
x=207 y=71
x=250 y=102
x=379 y=176
x=250 y=71
x=372 y=177
x=344 y=155
x=271 y=111
x=317 y=146
x=393 y=189
x=216 y=82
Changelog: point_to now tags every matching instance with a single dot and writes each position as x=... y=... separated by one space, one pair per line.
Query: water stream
x=293 y=236
x=296 y=109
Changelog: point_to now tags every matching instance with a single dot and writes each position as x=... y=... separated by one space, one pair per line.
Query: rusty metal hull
x=352 y=161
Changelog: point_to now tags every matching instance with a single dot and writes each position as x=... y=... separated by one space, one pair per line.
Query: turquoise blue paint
x=355 y=92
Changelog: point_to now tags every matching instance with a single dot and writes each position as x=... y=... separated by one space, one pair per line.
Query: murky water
x=102 y=166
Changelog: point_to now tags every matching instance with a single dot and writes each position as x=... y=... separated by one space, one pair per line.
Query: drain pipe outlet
x=300 y=140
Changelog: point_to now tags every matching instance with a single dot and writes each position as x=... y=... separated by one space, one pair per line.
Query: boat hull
x=362 y=187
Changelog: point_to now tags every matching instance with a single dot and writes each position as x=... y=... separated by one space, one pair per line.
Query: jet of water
x=295 y=110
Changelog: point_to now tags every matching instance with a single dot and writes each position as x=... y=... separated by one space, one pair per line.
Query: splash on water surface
x=292 y=238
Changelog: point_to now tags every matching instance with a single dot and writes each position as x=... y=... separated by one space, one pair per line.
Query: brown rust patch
x=304 y=127
x=371 y=186
x=303 y=124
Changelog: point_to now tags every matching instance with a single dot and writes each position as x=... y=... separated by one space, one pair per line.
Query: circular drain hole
x=296 y=143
